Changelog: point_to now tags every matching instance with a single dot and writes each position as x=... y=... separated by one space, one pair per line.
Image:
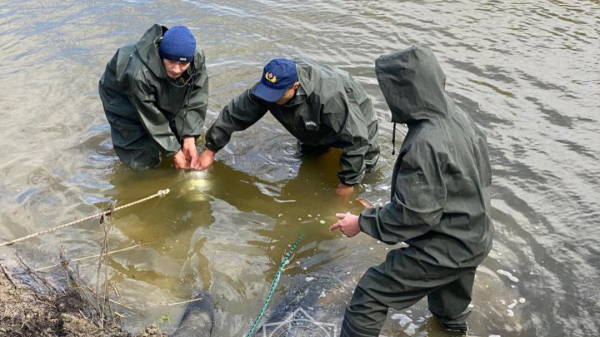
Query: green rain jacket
x=335 y=112
x=440 y=200
x=135 y=86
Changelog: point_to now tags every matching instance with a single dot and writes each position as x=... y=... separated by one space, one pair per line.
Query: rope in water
x=284 y=262
x=160 y=193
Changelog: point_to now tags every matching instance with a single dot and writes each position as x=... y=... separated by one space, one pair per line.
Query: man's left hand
x=344 y=190
x=179 y=160
x=348 y=224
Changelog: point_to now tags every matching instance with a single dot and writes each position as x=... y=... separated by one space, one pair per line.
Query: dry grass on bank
x=24 y=312
x=80 y=310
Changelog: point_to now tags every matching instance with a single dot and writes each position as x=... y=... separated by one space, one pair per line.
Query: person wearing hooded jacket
x=321 y=106
x=155 y=96
x=440 y=203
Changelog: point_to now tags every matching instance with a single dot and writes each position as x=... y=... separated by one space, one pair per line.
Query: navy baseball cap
x=278 y=76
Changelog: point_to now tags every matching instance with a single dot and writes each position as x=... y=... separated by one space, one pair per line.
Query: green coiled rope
x=284 y=262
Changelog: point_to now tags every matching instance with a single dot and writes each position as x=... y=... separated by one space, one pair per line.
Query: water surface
x=528 y=73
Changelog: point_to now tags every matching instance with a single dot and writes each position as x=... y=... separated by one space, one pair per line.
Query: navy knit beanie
x=178 y=44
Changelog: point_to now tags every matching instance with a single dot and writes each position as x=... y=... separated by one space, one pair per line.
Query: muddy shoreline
x=25 y=312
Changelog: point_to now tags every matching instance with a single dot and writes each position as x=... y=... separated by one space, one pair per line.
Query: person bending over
x=321 y=106
x=155 y=96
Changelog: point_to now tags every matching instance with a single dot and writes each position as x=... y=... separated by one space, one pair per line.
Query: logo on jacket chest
x=310 y=125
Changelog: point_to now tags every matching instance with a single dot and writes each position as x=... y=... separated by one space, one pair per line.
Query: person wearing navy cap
x=155 y=96
x=331 y=109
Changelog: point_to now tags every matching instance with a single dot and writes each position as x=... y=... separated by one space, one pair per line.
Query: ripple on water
x=527 y=72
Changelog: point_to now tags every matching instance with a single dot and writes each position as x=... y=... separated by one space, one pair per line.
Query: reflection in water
x=527 y=73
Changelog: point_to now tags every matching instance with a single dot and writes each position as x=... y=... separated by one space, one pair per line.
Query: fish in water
x=322 y=296
x=324 y=293
x=198 y=318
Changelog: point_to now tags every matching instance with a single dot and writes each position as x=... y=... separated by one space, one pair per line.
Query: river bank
x=25 y=312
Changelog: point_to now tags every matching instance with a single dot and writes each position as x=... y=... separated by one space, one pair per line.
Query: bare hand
x=190 y=151
x=205 y=160
x=344 y=190
x=348 y=224
x=179 y=161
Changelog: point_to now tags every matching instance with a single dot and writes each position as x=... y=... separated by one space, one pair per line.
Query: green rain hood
x=136 y=87
x=440 y=200
x=335 y=111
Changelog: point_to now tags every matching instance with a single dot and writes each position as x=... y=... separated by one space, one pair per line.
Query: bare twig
x=120 y=304
x=9 y=277
x=184 y=302
x=93 y=256
x=105 y=260
x=126 y=307
x=34 y=275
x=102 y=299
x=116 y=290
x=73 y=278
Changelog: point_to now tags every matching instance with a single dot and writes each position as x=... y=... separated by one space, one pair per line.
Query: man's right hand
x=179 y=161
x=348 y=224
x=205 y=160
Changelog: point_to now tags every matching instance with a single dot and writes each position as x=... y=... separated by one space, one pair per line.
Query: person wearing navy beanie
x=155 y=97
x=178 y=44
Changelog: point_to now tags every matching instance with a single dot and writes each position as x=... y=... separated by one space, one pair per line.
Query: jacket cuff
x=211 y=146
x=351 y=181
x=171 y=153
x=196 y=136
x=367 y=220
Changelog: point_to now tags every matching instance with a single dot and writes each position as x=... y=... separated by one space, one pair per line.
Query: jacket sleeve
x=241 y=113
x=156 y=124
x=417 y=202
x=194 y=116
x=354 y=137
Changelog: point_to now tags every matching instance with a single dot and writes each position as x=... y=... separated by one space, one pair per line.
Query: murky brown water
x=527 y=71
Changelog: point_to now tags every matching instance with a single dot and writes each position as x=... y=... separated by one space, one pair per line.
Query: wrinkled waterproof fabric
x=148 y=111
x=335 y=112
x=440 y=202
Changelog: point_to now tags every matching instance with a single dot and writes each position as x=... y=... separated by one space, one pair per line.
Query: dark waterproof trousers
x=132 y=144
x=401 y=281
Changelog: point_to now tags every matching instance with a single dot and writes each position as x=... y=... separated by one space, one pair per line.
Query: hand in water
x=205 y=160
x=348 y=224
x=190 y=151
x=344 y=190
x=179 y=160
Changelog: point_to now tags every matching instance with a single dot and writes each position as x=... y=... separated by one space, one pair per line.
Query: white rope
x=160 y=193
